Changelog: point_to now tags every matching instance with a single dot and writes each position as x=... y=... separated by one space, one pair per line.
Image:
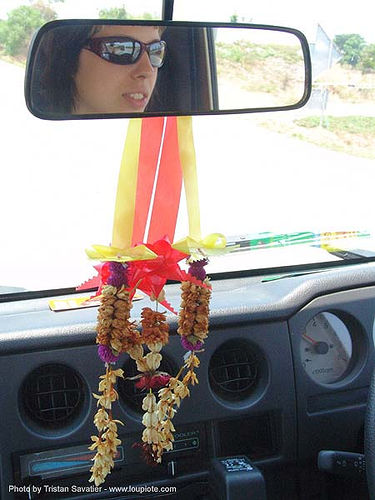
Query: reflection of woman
x=101 y=69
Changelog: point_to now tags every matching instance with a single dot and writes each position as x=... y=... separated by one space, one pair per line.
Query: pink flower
x=196 y=269
x=152 y=382
x=189 y=346
x=117 y=275
x=106 y=355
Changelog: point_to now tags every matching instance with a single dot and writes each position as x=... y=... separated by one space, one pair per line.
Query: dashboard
x=284 y=374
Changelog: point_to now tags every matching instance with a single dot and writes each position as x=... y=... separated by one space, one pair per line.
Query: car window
x=269 y=181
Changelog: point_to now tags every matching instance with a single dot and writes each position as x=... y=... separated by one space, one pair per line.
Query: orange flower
x=155 y=329
x=114 y=328
x=194 y=311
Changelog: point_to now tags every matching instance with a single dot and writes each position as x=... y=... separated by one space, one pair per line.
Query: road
x=58 y=184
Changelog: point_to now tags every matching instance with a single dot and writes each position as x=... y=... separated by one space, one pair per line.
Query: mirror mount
x=167 y=10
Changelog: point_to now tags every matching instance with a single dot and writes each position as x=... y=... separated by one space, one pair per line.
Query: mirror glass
x=128 y=68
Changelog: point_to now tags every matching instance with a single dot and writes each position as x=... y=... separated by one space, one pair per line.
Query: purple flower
x=106 y=355
x=196 y=269
x=117 y=274
x=189 y=346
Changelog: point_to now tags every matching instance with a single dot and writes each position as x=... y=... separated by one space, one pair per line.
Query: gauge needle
x=312 y=341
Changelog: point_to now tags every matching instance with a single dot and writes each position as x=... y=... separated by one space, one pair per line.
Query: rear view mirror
x=89 y=69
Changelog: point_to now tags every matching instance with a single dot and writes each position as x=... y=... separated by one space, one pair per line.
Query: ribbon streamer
x=126 y=190
x=154 y=161
x=189 y=169
x=150 y=144
x=150 y=182
x=168 y=185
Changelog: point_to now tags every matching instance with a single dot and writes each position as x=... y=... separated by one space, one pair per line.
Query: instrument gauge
x=326 y=348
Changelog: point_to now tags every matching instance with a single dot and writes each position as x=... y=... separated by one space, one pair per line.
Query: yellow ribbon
x=213 y=244
x=113 y=254
x=194 y=245
x=126 y=188
x=189 y=171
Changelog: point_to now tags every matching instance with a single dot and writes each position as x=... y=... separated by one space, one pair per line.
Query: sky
x=335 y=16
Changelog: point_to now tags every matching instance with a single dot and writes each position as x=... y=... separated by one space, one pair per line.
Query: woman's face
x=105 y=87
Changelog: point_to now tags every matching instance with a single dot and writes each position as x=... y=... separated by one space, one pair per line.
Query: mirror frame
x=35 y=42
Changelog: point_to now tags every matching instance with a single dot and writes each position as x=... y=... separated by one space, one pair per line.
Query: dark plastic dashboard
x=254 y=396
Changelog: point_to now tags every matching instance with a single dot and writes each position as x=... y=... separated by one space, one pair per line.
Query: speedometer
x=326 y=348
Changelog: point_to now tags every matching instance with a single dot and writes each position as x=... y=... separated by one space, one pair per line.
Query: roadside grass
x=354 y=135
x=18 y=61
x=353 y=124
x=264 y=62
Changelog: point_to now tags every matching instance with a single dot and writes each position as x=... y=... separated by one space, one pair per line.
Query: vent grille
x=52 y=395
x=234 y=370
x=132 y=396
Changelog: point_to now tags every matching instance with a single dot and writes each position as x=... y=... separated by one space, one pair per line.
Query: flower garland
x=116 y=334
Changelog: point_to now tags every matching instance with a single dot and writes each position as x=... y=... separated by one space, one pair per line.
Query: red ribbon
x=150 y=276
x=166 y=200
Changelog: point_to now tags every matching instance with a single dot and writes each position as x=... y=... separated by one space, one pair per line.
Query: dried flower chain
x=193 y=328
x=107 y=441
x=116 y=334
x=169 y=400
x=193 y=320
x=114 y=328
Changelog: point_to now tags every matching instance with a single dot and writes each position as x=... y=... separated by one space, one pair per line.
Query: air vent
x=52 y=396
x=128 y=393
x=234 y=370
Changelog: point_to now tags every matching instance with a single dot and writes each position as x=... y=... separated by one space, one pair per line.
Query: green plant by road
x=354 y=135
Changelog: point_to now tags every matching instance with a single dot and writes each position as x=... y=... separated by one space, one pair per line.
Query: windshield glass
x=286 y=186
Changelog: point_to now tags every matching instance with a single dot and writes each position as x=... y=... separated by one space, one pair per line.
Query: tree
x=147 y=16
x=45 y=9
x=114 y=13
x=17 y=30
x=121 y=13
x=351 y=47
x=367 y=63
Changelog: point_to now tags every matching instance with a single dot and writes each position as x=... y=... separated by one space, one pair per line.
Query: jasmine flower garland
x=116 y=333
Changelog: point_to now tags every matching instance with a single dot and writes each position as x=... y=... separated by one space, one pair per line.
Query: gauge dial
x=326 y=348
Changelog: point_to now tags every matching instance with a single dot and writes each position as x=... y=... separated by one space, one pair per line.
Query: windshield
x=285 y=186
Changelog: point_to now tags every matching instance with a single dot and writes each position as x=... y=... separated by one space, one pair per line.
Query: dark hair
x=56 y=65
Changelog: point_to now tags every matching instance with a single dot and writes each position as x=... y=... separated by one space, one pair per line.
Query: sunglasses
x=124 y=50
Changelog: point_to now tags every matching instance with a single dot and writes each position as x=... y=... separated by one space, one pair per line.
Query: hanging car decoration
x=128 y=266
